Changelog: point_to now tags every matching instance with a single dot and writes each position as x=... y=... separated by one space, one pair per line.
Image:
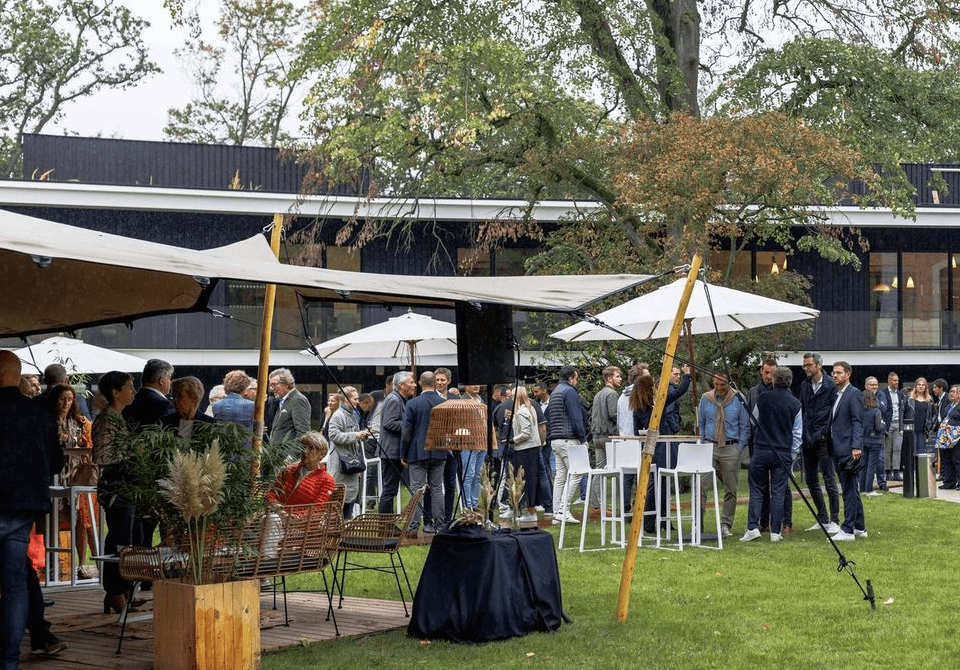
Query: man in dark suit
x=292 y=420
x=148 y=406
x=151 y=401
x=817 y=394
x=426 y=467
x=846 y=435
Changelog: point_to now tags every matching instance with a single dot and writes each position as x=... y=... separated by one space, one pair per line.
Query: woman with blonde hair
x=526 y=452
x=920 y=407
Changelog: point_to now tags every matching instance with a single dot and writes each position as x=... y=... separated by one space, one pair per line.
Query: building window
x=884 y=300
x=925 y=278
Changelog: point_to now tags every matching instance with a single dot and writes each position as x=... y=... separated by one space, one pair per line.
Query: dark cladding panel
x=95 y=160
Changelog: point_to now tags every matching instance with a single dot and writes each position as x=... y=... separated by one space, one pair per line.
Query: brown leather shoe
x=764 y=529
x=786 y=530
x=594 y=513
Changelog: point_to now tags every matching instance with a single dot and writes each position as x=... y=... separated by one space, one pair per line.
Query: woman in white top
x=526 y=445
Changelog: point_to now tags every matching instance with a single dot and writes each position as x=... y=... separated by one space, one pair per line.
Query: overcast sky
x=139 y=113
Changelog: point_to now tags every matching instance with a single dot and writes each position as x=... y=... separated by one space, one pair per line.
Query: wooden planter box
x=209 y=627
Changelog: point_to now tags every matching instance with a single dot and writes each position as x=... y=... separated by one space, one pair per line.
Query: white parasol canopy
x=75 y=356
x=403 y=339
x=651 y=315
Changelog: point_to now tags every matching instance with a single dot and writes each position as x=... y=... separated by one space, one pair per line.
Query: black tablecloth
x=478 y=586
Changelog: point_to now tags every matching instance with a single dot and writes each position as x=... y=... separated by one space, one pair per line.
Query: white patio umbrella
x=651 y=315
x=402 y=339
x=76 y=356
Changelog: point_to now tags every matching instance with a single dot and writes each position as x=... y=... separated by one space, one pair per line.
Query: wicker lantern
x=458 y=425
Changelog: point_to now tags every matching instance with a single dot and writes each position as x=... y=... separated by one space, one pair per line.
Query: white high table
x=72 y=494
x=630 y=463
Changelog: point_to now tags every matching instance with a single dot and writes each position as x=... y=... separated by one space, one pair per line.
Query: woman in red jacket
x=306 y=481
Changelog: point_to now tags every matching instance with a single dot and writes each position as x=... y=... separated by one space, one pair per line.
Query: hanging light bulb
x=953 y=261
x=910 y=281
x=784 y=263
x=894 y=283
x=774 y=269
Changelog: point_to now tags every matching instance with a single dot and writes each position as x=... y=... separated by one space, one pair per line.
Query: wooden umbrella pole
x=266 y=328
x=626 y=577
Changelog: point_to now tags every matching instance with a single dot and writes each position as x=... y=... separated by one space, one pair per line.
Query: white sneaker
x=843 y=537
x=726 y=532
x=873 y=494
x=557 y=518
x=815 y=526
x=859 y=533
x=526 y=518
x=833 y=528
x=751 y=534
x=775 y=537
x=506 y=514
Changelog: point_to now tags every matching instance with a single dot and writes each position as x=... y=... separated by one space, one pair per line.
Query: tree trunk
x=678 y=60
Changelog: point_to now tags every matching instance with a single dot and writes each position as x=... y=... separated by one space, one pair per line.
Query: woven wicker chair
x=378 y=534
x=302 y=538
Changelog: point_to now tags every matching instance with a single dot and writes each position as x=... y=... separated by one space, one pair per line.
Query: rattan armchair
x=378 y=534
x=295 y=540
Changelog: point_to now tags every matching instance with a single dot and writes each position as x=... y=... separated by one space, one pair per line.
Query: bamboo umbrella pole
x=626 y=577
x=266 y=328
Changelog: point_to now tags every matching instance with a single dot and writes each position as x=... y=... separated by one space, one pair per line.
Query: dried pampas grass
x=195 y=487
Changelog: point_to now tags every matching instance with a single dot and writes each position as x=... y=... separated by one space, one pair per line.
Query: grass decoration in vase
x=478 y=516
x=516 y=485
x=195 y=487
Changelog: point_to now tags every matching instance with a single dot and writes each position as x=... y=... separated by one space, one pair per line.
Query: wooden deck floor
x=92 y=636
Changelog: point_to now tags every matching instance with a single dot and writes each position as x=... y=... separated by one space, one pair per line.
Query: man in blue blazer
x=426 y=466
x=846 y=435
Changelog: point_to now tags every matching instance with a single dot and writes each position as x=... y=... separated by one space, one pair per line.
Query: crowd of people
x=853 y=442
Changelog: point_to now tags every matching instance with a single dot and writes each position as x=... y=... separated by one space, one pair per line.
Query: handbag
x=351 y=464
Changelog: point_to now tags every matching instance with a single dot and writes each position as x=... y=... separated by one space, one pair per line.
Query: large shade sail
x=59 y=278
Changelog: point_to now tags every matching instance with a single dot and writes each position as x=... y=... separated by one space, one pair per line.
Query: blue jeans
x=14 y=538
x=766 y=466
x=472 y=467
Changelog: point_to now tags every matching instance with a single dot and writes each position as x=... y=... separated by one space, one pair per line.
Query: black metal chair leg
x=330 y=612
x=126 y=610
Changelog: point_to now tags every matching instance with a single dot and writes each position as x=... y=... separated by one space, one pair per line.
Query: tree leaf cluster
x=52 y=53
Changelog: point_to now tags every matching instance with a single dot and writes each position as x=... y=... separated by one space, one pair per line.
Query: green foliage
x=146 y=458
x=244 y=77
x=888 y=110
x=52 y=53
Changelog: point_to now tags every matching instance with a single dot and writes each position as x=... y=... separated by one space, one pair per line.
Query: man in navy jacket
x=846 y=435
x=777 y=434
x=426 y=467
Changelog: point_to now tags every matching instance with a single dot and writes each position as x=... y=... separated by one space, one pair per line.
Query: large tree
x=243 y=75
x=52 y=53
x=531 y=99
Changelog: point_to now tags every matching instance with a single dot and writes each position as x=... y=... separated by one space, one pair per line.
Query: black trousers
x=950 y=467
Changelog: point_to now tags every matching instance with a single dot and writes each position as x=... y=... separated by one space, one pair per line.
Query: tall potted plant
x=200 y=491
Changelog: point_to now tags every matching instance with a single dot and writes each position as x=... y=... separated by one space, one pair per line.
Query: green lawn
x=753 y=605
